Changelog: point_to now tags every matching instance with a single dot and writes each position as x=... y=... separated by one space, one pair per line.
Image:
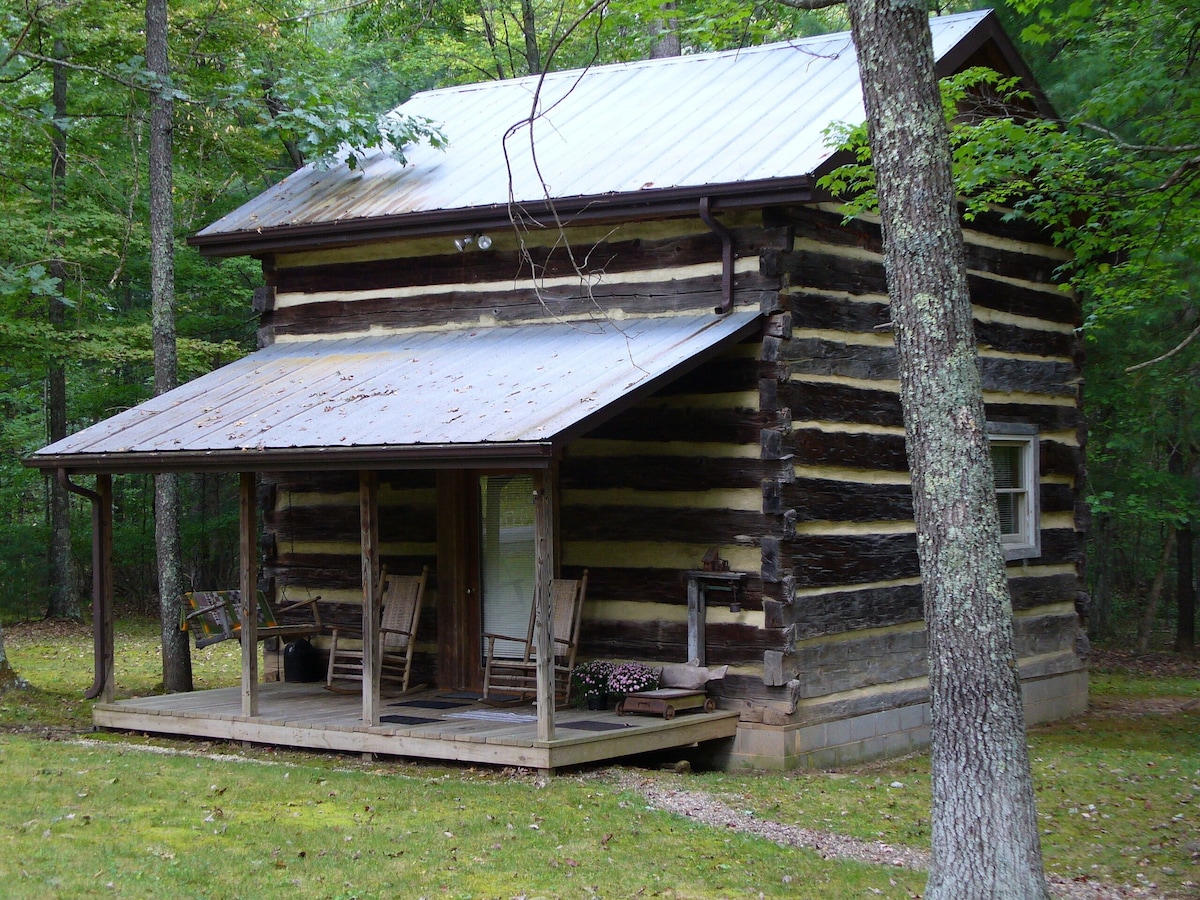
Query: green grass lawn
x=120 y=815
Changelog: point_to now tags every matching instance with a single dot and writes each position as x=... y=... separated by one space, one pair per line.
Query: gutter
x=726 y=237
x=570 y=211
x=533 y=455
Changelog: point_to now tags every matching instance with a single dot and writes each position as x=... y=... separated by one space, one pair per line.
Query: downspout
x=99 y=663
x=726 y=237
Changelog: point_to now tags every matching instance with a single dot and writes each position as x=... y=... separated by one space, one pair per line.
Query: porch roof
x=508 y=396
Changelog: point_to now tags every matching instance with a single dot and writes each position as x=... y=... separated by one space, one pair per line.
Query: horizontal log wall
x=310 y=544
x=575 y=274
x=786 y=453
x=855 y=597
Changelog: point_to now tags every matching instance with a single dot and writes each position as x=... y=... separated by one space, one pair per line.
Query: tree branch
x=1176 y=349
x=1140 y=148
x=811 y=4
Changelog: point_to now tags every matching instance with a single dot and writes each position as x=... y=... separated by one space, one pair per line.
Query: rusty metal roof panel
x=535 y=384
x=632 y=129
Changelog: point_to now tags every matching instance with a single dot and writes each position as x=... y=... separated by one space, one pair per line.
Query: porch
x=436 y=725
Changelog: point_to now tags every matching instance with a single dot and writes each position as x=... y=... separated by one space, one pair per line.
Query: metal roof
x=750 y=120
x=498 y=396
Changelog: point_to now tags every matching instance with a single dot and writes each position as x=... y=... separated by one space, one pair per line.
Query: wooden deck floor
x=428 y=725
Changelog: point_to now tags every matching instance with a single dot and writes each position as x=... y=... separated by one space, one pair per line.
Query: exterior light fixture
x=482 y=241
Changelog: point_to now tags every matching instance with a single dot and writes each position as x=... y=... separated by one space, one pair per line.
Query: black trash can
x=301 y=662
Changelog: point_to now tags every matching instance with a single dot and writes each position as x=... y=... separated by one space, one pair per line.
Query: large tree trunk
x=176 y=658
x=8 y=677
x=1150 y=609
x=533 y=55
x=666 y=38
x=985 y=840
x=1185 y=573
x=63 y=593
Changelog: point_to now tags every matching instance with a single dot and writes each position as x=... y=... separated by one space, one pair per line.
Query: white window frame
x=1026 y=542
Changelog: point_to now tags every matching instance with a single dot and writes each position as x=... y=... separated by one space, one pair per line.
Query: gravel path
x=709 y=810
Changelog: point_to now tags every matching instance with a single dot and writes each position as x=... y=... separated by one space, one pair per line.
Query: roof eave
x=664 y=203
x=516 y=455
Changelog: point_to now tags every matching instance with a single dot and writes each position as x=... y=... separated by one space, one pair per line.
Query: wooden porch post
x=368 y=502
x=248 y=519
x=543 y=640
x=103 y=562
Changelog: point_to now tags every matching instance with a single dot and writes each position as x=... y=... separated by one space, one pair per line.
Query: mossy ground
x=1118 y=793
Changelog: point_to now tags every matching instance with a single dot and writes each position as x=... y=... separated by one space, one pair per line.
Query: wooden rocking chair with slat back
x=402 y=598
x=518 y=676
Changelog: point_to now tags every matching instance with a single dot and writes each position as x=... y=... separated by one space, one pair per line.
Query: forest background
x=260 y=88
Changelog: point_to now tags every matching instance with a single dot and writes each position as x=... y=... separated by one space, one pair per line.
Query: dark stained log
x=854 y=610
x=516 y=305
x=1044 y=634
x=830 y=272
x=666 y=586
x=657 y=423
x=813 y=311
x=1006 y=338
x=1057 y=498
x=663 y=473
x=723 y=375
x=640 y=254
x=1032 y=591
x=317 y=571
x=816 y=356
x=847 y=501
x=326 y=523
x=1059 y=459
x=1044 y=416
x=814 y=447
x=1060 y=545
x=821 y=401
x=825 y=561
x=638 y=523
x=667 y=641
x=831 y=228
x=335 y=482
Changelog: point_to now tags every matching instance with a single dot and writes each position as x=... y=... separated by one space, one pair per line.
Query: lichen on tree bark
x=984 y=825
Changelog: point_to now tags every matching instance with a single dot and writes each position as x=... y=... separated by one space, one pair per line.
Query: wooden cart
x=665 y=702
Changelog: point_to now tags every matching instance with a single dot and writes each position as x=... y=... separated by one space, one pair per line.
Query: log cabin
x=615 y=325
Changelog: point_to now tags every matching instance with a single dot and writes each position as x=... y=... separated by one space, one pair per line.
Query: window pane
x=506 y=557
x=1010 y=513
x=1006 y=461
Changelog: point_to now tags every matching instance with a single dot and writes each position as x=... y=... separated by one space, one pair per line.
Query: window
x=1015 y=466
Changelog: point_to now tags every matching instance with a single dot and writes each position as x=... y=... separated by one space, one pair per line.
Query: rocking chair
x=519 y=675
x=402 y=597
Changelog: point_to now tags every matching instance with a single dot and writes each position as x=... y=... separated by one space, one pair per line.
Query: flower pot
x=597 y=701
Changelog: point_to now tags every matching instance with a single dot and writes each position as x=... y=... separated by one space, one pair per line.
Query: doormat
x=431 y=704
x=493 y=715
x=406 y=720
x=473 y=696
x=592 y=725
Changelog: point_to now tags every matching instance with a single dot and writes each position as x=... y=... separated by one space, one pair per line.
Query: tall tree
x=984 y=822
x=176 y=656
x=8 y=676
x=64 y=598
x=985 y=841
